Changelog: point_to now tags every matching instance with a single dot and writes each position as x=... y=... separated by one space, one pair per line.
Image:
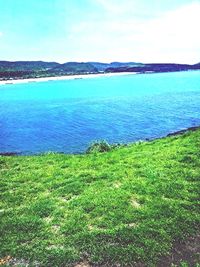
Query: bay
x=67 y=115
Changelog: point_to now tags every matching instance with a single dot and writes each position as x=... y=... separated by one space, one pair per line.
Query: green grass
x=126 y=206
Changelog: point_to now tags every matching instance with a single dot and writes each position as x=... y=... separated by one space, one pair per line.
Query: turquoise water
x=66 y=116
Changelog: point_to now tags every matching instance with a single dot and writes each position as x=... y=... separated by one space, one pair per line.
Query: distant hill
x=26 y=65
x=103 y=66
x=36 y=69
x=75 y=68
x=125 y=64
x=164 y=67
x=25 y=69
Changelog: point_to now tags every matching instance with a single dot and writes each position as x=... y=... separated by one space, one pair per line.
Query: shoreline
x=64 y=77
x=176 y=133
x=78 y=76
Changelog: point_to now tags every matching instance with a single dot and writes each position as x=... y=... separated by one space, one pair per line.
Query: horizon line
x=102 y=62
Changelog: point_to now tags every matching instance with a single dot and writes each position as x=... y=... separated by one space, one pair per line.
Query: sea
x=68 y=115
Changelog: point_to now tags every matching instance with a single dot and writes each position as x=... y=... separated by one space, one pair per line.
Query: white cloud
x=108 y=5
x=117 y=6
x=172 y=37
x=1 y=34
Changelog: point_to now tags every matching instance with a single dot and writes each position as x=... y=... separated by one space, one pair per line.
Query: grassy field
x=126 y=207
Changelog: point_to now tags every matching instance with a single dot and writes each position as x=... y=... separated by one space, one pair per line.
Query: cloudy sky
x=100 y=30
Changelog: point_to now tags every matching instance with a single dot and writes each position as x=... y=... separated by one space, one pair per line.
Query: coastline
x=77 y=77
x=65 y=77
x=170 y=134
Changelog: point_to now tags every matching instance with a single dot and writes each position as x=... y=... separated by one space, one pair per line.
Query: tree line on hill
x=37 y=69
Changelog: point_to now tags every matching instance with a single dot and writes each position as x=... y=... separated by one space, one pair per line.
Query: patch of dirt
x=5 y=260
x=188 y=251
x=117 y=185
x=134 y=203
x=83 y=264
x=18 y=262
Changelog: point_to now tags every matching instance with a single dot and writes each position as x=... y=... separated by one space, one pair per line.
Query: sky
x=145 y=31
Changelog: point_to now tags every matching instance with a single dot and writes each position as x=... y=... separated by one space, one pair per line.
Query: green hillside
x=26 y=69
x=36 y=69
x=75 y=68
x=126 y=207
x=26 y=65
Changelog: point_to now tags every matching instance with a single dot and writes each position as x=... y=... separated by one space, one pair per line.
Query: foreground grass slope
x=125 y=207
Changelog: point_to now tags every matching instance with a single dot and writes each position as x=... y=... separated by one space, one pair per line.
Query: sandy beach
x=66 y=77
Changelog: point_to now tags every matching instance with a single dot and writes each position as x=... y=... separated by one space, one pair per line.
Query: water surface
x=65 y=116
